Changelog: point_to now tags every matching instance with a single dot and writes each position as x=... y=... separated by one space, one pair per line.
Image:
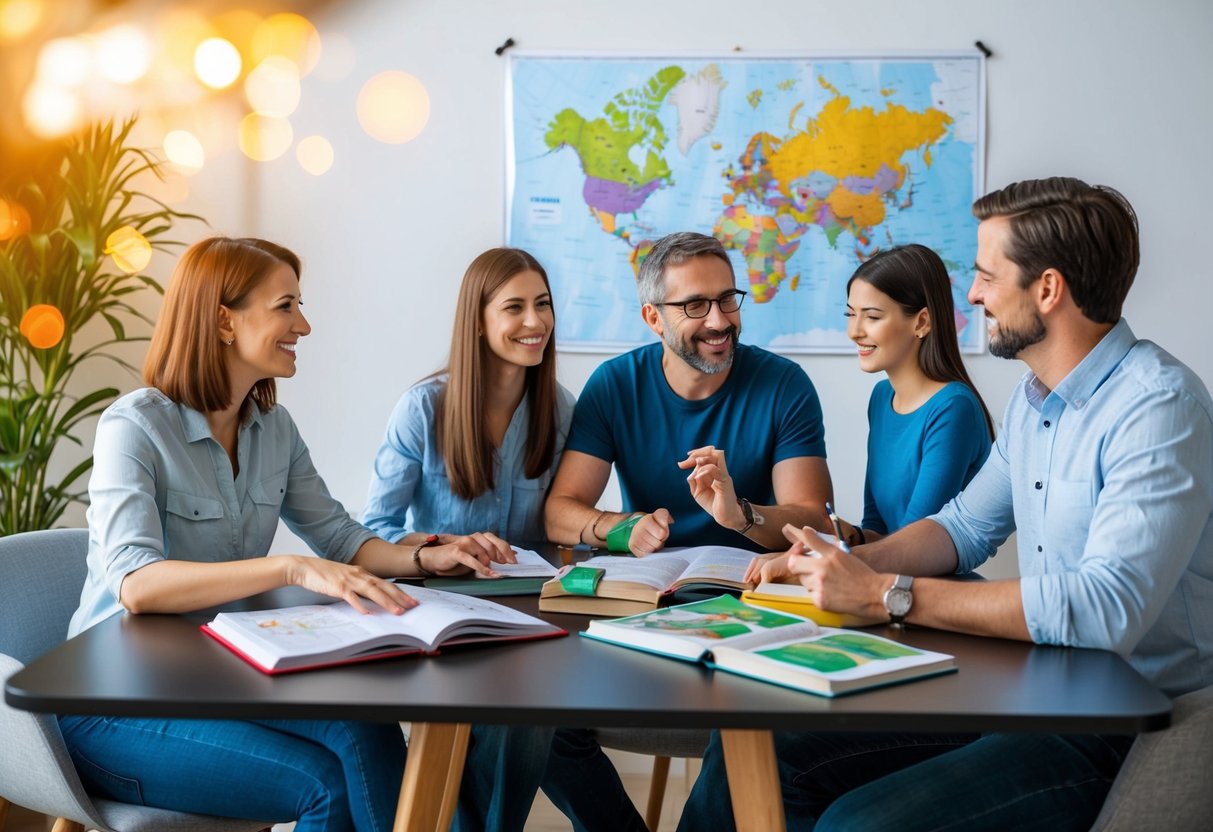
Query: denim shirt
x=409 y=486
x=1109 y=481
x=162 y=488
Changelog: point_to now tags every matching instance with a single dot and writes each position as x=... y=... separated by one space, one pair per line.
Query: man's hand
x=650 y=533
x=712 y=487
x=836 y=580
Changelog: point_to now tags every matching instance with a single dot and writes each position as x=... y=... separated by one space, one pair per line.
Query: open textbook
x=772 y=646
x=526 y=577
x=626 y=584
x=319 y=635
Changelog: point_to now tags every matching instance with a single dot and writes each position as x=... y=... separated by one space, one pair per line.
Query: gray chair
x=662 y=744
x=1165 y=781
x=41 y=574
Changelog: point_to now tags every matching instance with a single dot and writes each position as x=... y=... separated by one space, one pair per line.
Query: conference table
x=161 y=665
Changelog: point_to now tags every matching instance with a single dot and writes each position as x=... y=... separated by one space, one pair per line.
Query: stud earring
x=230 y=341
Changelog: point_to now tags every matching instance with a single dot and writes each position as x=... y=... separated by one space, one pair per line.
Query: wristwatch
x=429 y=541
x=752 y=518
x=898 y=599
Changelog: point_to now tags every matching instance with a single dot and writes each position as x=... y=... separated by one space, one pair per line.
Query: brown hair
x=1086 y=232
x=461 y=433
x=915 y=278
x=185 y=359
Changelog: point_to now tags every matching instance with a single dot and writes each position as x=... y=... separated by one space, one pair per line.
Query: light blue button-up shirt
x=1109 y=481
x=162 y=488
x=410 y=490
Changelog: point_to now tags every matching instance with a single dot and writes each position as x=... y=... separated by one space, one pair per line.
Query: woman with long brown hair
x=465 y=467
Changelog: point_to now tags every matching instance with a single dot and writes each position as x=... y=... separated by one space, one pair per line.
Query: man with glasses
x=669 y=415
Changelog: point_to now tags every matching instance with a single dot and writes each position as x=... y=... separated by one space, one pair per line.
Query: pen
x=837 y=521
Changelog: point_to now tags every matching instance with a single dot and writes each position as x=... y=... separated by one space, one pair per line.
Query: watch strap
x=429 y=541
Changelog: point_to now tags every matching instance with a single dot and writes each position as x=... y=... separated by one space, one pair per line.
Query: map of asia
x=801 y=167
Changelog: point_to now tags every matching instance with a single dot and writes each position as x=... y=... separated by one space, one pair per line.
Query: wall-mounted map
x=802 y=167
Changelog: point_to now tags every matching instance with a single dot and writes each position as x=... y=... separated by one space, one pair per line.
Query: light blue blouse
x=409 y=486
x=162 y=488
x=1108 y=481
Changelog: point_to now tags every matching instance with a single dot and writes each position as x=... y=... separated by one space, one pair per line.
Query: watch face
x=897 y=601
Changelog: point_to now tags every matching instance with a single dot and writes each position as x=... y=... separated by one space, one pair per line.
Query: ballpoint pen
x=837 y=521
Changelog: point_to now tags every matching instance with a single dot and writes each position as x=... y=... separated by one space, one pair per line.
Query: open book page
x=658 y=571
x=329 y=632
x=691 y=630
x=724 y=565
x=831 y=662
x=530 y=565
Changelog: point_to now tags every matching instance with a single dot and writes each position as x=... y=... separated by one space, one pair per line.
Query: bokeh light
x=123 y=53
x=43 y=326
x=272 y=88
x=217 y=63
x=315 y=155
x=129 y=249
x=65 y=62
x=184 y=150
x=393 y=107
x=14 y=219
x=289 y=36
x=264 y=138
x=179 y=32
x=18 y=18
x=51 y=111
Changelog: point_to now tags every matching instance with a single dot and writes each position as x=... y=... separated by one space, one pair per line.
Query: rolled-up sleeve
x=123 y=516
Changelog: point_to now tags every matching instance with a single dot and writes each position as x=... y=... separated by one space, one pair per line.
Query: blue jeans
x=912 y=782
x=504 y=767
x=327 y=776
x=581 y=780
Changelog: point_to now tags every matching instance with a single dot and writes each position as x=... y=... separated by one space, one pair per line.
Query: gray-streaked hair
x=674 y=250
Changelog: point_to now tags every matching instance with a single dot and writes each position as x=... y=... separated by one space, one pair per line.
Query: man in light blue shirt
x=1104 y=466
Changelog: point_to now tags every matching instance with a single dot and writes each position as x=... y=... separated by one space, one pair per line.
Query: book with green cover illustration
x=771 y=646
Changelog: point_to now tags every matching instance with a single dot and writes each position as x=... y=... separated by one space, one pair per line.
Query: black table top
x=161 y=665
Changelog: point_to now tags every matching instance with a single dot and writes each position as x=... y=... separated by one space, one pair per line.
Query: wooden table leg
x=749 y=759
x=432 y=773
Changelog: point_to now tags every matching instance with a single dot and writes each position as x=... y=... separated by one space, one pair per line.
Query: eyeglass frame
x=719 y=301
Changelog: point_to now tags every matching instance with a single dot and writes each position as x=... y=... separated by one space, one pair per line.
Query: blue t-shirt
x=765 y=412
x=918 y=461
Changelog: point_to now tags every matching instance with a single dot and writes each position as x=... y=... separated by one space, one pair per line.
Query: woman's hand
x=772 y=568
x=460 y=554
x=349 y=583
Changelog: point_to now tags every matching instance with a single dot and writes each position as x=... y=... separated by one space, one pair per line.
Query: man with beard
x=667 y=415
x=1104 y=467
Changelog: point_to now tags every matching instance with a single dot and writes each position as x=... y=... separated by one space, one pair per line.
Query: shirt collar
x=1080 y=384
x=197 y=428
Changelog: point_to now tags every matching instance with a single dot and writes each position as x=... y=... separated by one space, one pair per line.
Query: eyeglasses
x=699 y=307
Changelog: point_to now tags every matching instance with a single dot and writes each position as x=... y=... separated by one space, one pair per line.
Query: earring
x=229 y=341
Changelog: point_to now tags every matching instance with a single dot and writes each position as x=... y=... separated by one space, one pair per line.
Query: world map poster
x=803 y=167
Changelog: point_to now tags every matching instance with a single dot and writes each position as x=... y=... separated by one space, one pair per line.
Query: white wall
x=1112 y=91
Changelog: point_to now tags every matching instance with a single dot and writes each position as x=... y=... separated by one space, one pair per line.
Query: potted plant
x=75 y=235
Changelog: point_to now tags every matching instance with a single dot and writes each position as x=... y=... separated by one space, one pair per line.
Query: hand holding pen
x=837 y=521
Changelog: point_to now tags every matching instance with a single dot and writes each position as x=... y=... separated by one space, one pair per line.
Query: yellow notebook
x=794 y=598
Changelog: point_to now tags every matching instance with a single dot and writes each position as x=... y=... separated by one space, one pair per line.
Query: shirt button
x=1040 y=548
x=1047 y=423
x=1039 y=485
x=195 y=512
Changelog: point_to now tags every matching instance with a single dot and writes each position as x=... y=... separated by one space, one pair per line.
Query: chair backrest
x=41 y=574
x=1165 y=781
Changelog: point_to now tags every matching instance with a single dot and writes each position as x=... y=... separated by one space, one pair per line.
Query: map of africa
x=802 y=168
